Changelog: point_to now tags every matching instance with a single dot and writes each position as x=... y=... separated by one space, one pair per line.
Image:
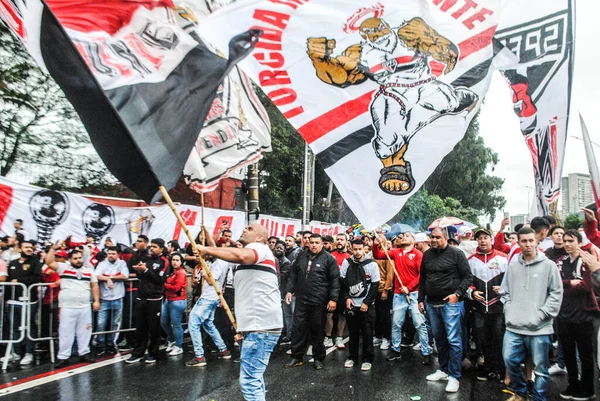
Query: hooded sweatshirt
x=533 y=293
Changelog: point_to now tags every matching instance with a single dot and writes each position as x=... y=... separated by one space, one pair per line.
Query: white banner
x=383 y=90
x=51 y=216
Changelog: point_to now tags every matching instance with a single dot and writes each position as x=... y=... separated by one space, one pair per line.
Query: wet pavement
x=171 y=380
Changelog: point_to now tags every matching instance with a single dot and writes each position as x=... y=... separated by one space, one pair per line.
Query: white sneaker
x=27 y=360
x=11 y=358
x=556 y=370
x=365 y=366
x=385 y=344
x=339 y=343
x=376 y=341
x=175 y=350
x=170 y=346
x=328 y=342
x=416 y=347
x=309 y=350
x=349 y=363
x=437 y=376
x=453 y=385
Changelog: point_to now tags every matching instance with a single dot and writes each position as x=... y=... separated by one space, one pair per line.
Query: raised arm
x=49 y=259
x=419 y=36
x=342 y=70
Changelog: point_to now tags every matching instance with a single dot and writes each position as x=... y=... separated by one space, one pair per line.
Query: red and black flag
x=136 y=72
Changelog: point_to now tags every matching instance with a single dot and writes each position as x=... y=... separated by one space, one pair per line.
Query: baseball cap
x=482 y=231
x=464 y=231
x=61 y=254
x=421 y=237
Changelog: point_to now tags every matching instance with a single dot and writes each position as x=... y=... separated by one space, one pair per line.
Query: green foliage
x=573 y=222
x=462 y=175
x=38 y=125
x=422 y=209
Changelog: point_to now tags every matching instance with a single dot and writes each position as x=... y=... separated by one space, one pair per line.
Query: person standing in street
x=152 y=275
x=532 y=289
x=315 y=280
x=257 y=306
x=360 y=284
x=445 y=278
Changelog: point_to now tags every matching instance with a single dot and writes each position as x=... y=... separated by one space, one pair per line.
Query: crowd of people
x=515 y=307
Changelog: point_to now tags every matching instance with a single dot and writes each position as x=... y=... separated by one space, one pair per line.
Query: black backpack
x=356 y=278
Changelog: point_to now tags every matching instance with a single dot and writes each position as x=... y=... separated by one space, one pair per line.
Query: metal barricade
x=12 y=304
x=48 y=314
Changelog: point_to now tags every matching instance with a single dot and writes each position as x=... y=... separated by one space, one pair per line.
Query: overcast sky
x=499 y=125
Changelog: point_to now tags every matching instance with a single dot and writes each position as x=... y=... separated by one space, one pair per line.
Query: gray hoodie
x=533 y=294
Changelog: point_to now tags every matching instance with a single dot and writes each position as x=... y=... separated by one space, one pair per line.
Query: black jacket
x=285 y=267
x=444 y=272
x=29 y=272
x=321 y=284
x=152 y=282
x=555 y=253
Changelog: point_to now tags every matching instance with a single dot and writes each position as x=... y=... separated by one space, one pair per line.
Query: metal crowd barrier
x=49 y=331
x=8 y=303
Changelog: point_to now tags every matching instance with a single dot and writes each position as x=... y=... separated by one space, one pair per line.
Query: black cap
x=328 y=238
x=482 y=231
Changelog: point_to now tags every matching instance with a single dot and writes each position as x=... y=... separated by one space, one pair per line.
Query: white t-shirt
x=371 y=273
x=75 y=286
x=257 y=296
x=8 y=255
x=109 y=270
x=219 y=270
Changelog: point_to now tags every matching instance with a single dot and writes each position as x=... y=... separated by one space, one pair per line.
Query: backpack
x=356 y=278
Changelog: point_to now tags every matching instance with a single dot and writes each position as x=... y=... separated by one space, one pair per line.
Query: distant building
x=576 y=192
x=517 y=219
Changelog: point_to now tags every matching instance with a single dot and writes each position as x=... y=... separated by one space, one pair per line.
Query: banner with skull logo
x=382 y=91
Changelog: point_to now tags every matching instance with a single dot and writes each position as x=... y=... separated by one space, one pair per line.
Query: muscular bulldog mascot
x=409 y=95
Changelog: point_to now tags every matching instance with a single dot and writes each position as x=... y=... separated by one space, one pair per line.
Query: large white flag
x=383 y=90
x=236 y=131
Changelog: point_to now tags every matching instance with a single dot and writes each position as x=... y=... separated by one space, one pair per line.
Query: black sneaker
x=428 y=360
x=318 y=365
x=583 y=396
x=568 y=393
x=111 y=351
x=482 y=375
x=101 y=352
x=150 y=360
x=393 y=356
x=293 y=363
x=285 y=341
x=133 y=359
x=87 y=358
x=61 y=363
x=197 y=362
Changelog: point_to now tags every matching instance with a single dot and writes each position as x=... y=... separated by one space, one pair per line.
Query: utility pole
x=253 y=209
x=307 y=186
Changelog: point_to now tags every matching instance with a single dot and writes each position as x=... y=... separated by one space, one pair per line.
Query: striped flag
x=592 y=164
x=137 y=74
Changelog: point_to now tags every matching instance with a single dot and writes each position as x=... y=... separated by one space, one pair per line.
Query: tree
x=422 y=209
x=38 y=125
x=462 y=174
x=573 y=222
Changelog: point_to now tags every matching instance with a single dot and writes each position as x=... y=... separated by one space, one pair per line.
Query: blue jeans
x=399 y=307
x=170 y=320
x=288 y=316
x=203 y=315
x=109 y=311
x=446 y=325
x=514 y=349
x=254 y=358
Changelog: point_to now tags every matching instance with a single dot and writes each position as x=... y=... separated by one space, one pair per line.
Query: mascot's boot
x=396 y=174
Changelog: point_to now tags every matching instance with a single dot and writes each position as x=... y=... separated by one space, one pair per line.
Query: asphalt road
x=171 y=380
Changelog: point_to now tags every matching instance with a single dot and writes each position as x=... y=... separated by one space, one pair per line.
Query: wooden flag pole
x=384 y=246
x=209 y=276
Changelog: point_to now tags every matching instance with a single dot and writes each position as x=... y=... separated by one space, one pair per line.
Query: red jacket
x=590 y=228
x=499 y=243
x=175 y=285
x=340 y=256
x=408 y=266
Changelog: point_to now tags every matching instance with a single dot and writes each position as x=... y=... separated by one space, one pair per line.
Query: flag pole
x=209 y=275
x=384 y=246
